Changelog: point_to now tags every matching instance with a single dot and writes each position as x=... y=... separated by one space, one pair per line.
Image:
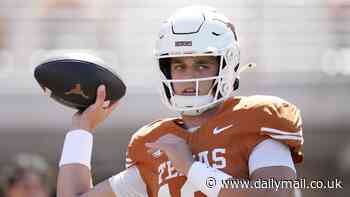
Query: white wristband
x=207 y=179
x=77 y=148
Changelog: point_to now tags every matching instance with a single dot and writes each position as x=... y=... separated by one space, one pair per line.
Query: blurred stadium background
x=301 y=47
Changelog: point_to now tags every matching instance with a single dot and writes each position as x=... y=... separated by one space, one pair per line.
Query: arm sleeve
x=270 y=153
x=128 y=183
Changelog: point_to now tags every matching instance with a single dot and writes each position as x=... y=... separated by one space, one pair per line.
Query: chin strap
x=194 y=112
x=193 y=101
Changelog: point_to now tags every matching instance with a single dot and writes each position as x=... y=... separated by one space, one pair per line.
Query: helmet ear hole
x=236 y=84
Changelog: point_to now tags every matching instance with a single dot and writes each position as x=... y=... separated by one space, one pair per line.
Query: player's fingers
x=151 y=150
x=154 y=145
x=151 y=145
x=78 y=113
x=112 y=106
x=101 y=95
x=106 y=104
x=169 y=136
x=170 y=139
x=159 y=145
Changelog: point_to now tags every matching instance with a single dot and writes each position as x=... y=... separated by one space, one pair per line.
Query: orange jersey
x=224 y=142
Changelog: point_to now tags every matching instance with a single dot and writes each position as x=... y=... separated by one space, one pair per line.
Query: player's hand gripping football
x=176 y=149
x=94 y=114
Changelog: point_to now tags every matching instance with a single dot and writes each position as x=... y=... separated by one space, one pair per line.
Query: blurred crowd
x=27 y=175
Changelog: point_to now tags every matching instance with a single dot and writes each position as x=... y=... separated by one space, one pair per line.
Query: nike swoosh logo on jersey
x=218 y=130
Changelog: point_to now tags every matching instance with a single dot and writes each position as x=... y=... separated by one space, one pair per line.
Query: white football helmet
x=198 y=31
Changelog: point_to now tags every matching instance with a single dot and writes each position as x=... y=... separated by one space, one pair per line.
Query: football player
x=216 y=137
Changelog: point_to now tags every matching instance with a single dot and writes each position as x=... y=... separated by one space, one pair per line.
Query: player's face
x=30 y=185
x=192 y=68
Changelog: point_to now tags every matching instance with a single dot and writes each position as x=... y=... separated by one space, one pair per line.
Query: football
x=72 y=79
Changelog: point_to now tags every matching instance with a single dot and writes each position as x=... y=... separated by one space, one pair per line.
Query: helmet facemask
x=220 y=89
